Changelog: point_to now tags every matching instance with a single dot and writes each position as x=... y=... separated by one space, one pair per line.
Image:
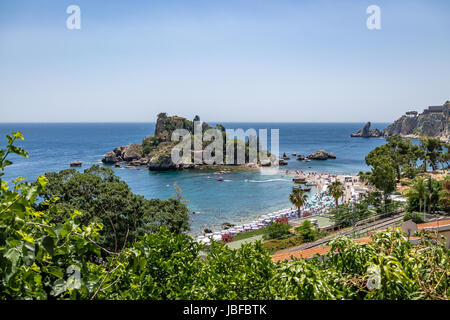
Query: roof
x=322 y=250
x=434 y=224
x=307 y=253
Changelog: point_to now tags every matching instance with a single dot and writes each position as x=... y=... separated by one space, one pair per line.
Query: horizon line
x=208 y=121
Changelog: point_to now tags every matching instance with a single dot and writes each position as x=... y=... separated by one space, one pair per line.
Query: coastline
x=320 y=180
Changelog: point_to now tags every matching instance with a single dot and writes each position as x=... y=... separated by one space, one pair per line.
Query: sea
x=240 y=198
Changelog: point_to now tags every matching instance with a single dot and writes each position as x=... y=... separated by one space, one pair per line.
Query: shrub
x=307 y=232
x=416 y=217
x=281 y=244
x=227 y=237
x=282 y=220
x=277 y=230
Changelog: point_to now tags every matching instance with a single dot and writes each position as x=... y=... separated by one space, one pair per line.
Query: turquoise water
x=53 y=146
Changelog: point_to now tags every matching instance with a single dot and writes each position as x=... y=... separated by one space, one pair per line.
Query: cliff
x=433 y=122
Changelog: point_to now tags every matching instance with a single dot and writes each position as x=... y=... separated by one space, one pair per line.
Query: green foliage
x=37 y=255
x=275 y=245
x=400 y=152
x=336 y=189
x=347 y=214
x=43 y=258
x=11 y=148
x=104 y=198
x=383 y=176
x=431 y=148
x=410 y=171
x=277 y=230
x=298 y=198
x=414 y=216
x=426 y=196
x=149 y=144
x=307 y=231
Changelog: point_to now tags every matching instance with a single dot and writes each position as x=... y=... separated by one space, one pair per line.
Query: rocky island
x=317 y=155
x=155 y=151
x=365 y=132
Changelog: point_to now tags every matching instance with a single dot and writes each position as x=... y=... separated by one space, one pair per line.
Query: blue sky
x=227 y=60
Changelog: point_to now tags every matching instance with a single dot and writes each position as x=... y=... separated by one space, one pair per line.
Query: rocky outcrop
x=365 y=132
x=433 y=122
x=321 y=155
x=128 y=153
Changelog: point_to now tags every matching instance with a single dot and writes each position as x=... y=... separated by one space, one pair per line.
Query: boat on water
x=219 y=179
x=304 y=189
x=299 y=180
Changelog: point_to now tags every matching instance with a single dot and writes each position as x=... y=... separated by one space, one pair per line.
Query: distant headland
x=432 y=122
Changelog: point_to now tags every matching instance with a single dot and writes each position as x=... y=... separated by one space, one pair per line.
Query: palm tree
x=418 y=190
x=336 y=189
x=433 y=187
x=298 y=198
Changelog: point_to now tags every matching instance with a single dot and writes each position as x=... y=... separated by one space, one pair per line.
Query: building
x=442 y=227
x=433 y=109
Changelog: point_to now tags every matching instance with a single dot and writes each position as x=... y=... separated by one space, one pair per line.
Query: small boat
x=219 y=179
x=306 y=189
x=299 y=180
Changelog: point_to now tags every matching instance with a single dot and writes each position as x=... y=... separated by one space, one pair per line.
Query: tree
x=277 y=230
x=432 y=194
x=298 y=198
x=416 y=196
x=432 y=148
x=336 y=189
x=104 y=198
x=401 y=152
x=37 y=254
x=383 y=176
x=307 y=232
x=444 y=195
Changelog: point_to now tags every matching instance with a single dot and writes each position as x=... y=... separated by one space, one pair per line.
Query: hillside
x=432 y=122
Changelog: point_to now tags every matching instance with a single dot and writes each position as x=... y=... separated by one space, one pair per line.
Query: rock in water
x=110 y=158
x=365 y=132
x=75 y=164
x=227 y=225
x=321 y=155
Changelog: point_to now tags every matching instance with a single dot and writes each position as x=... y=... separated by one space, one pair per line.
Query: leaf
x=49 y=244
x=28 y=253
x=59 y=286
x=14 y=254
